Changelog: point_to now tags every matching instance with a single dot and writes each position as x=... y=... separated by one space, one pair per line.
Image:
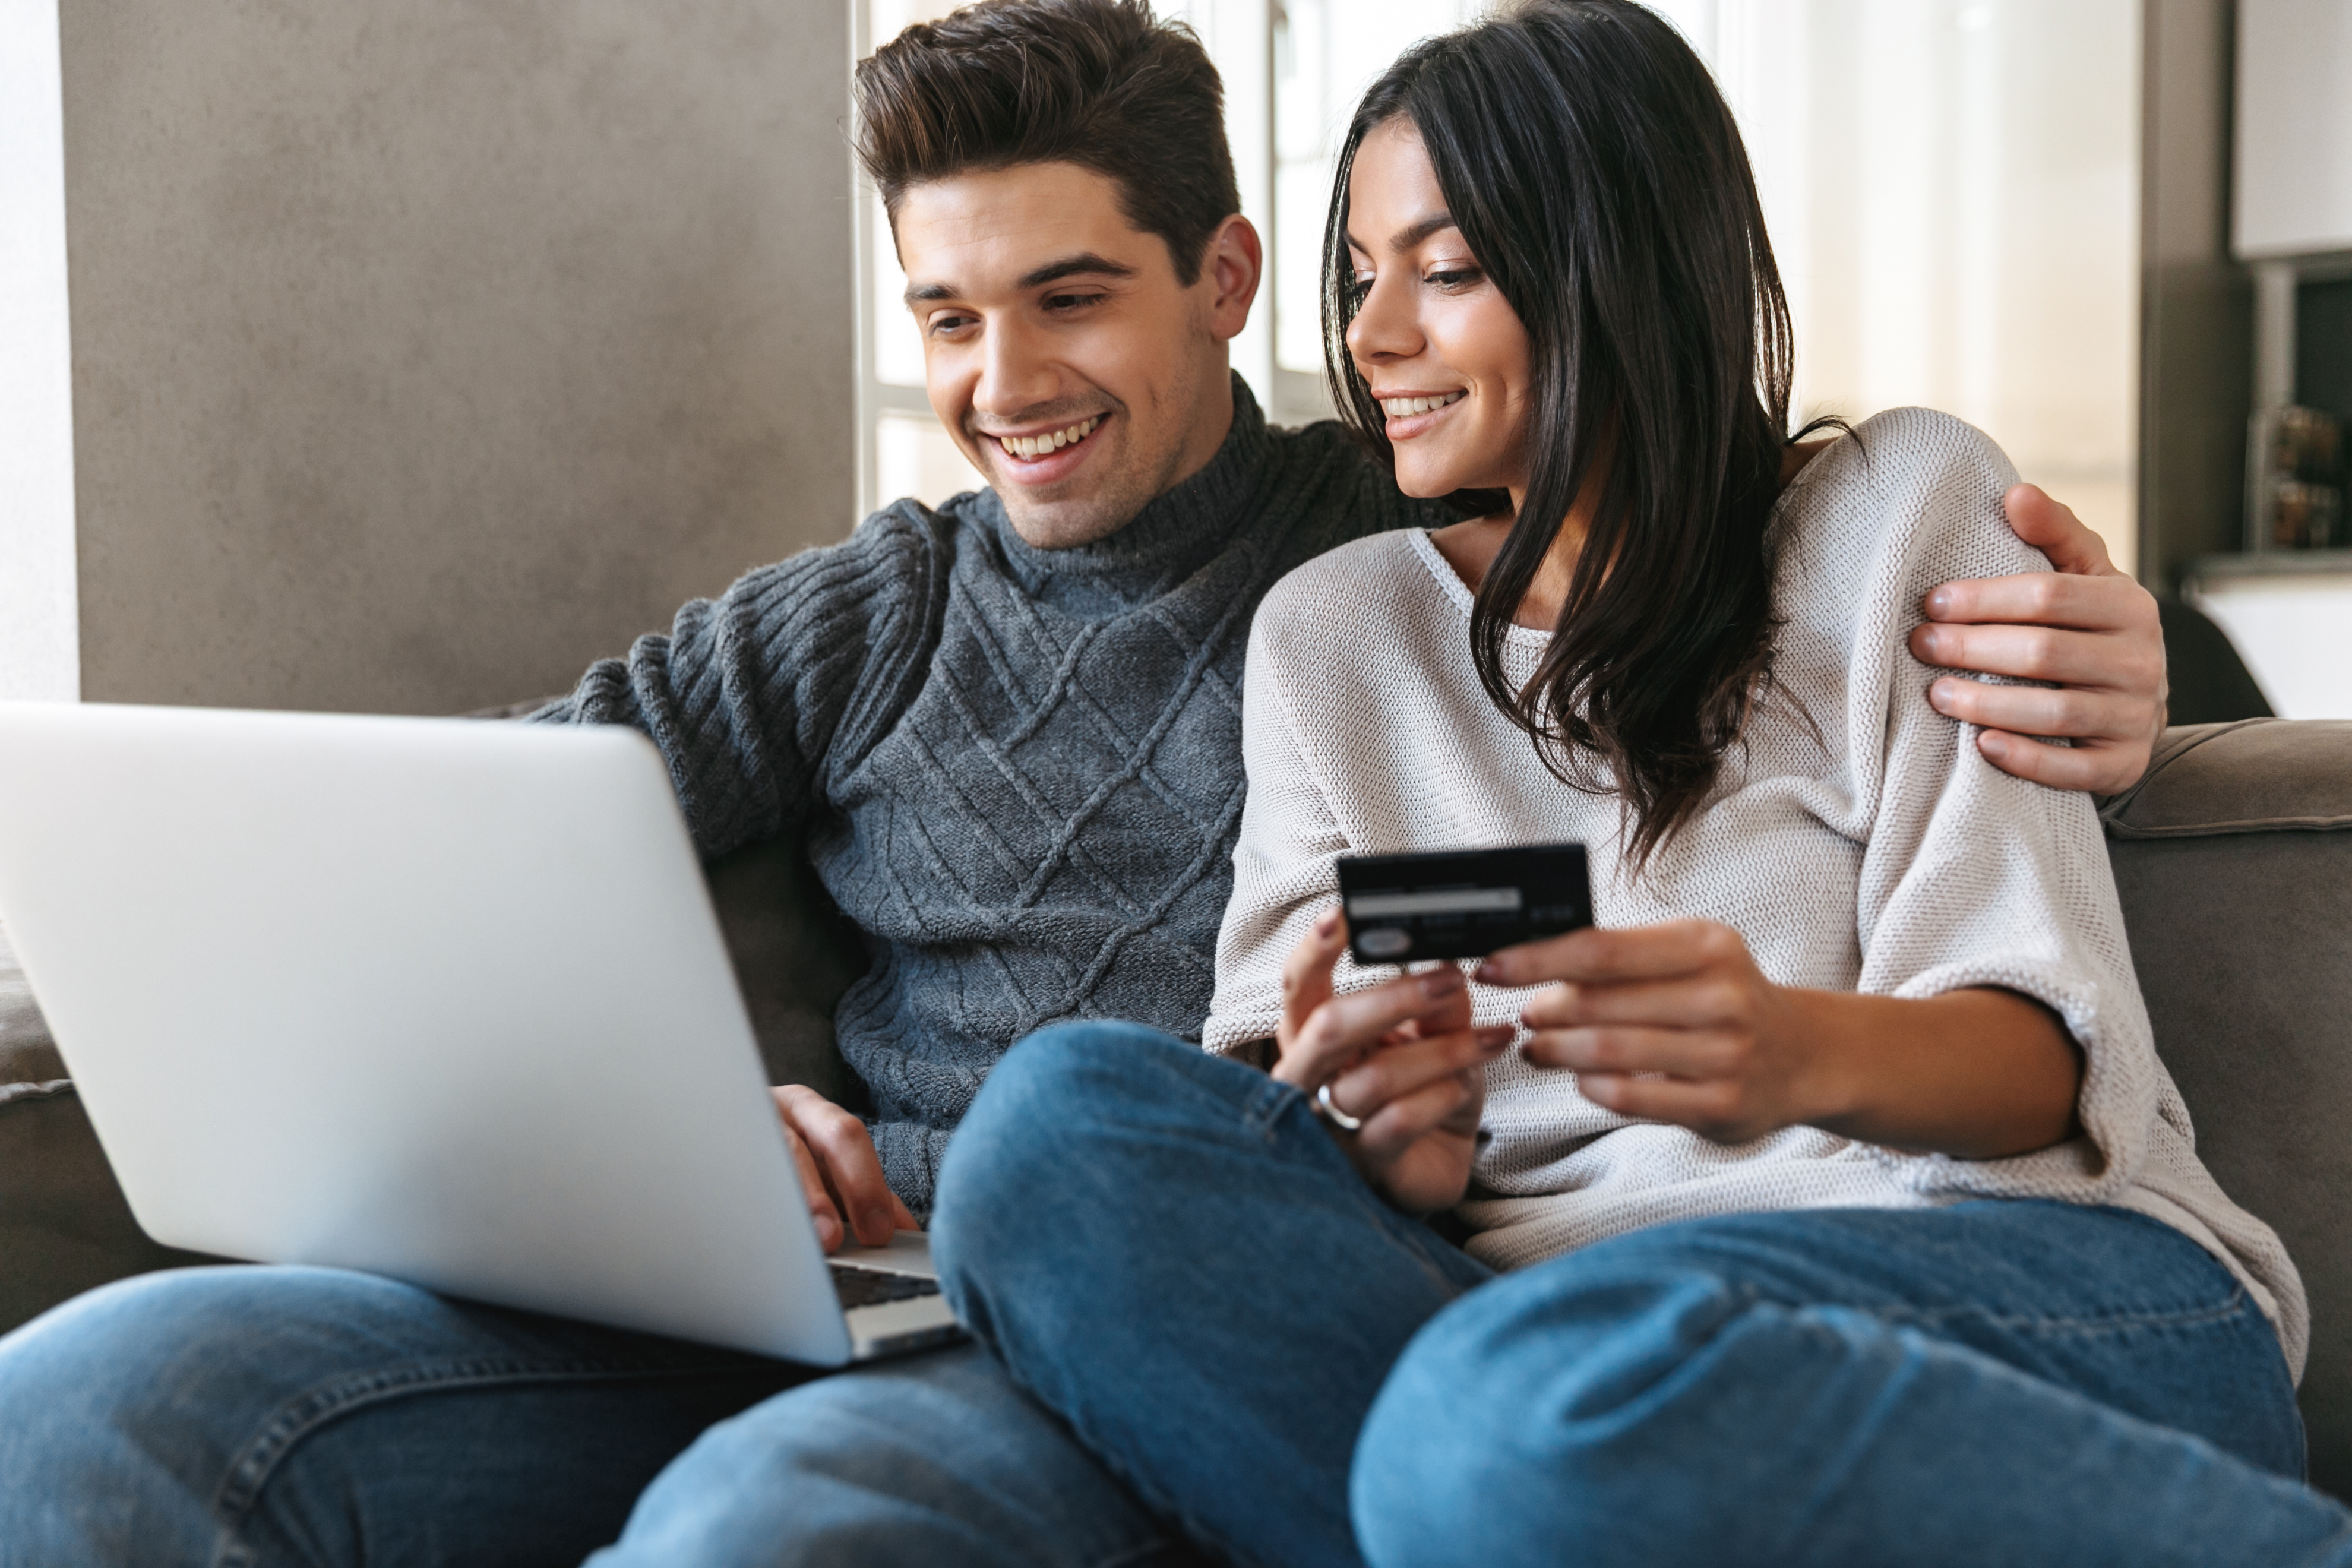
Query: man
x=1008 y=733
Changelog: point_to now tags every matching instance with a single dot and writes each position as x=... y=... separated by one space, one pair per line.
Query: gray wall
x=424 y=350
x=2196 y=303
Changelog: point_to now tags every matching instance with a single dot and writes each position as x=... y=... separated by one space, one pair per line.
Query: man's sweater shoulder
x=750 y=694
x=1355 y=495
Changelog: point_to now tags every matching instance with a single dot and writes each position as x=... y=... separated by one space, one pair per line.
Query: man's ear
x=1232 y=267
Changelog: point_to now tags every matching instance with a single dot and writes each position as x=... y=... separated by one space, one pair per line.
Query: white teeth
x=1054 y=441
x=1403 y=408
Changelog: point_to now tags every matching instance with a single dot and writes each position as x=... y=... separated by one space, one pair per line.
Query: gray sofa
x=2233 y=855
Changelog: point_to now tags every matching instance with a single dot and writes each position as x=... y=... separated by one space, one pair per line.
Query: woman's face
x=1443 y=353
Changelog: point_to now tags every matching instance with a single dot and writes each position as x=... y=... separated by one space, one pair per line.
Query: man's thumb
x=2056 y=531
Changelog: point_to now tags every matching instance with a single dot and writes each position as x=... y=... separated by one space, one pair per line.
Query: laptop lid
x=438 y=999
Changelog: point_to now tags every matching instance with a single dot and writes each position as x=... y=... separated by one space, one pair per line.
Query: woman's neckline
x=1457 y=591
x=1463 y=593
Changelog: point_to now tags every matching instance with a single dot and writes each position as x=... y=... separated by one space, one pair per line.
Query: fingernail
x=1939 y=694
x=1939 y=602
x=1488 y=972
x=1443 y=982
x=1993 y=745
x=1328 y=923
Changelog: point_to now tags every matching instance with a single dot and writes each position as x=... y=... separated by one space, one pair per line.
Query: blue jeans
x=1193 y=1277
x=300 y=1416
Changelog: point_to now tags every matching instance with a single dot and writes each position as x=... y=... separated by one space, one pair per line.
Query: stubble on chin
x=1131 y=482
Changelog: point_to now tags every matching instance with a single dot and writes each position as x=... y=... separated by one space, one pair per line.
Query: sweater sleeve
x=749 y=693
x=1971 y=877
x=1284 y=855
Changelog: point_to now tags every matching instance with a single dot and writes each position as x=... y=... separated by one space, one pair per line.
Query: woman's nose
x=1383 y=328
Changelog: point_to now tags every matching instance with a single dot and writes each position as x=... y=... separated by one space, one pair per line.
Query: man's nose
x=1015 y=373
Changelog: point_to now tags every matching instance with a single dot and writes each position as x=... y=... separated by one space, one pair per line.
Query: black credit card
x=1463 y=903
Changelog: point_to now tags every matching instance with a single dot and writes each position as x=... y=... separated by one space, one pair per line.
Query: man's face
x=1060 y=349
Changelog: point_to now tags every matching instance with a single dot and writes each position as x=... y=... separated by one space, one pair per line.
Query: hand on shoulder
x=2087 y=628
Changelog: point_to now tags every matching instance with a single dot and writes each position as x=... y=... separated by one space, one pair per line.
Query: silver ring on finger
x=1333 y=1114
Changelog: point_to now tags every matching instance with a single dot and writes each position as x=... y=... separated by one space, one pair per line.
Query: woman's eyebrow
x=1411 y=234
x=1414 y=233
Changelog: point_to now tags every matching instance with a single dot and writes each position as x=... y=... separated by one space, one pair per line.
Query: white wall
x=39 y=645
x=1953 y=190
x=2293 y=184
x=425 y=350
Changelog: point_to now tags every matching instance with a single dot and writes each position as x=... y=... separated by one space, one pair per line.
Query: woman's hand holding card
x=1674 y=1023
x=1399 y=1061
x=1668 y=1022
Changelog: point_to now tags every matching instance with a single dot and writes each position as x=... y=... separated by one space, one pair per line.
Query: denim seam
x=1147 y=1551
x=250 y=1473
x=1266 y=1105
x=1154 y=1498
x=1263 y=1115
x=2237 y=1306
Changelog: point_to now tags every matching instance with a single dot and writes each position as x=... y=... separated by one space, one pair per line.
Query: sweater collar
x=1177 y=533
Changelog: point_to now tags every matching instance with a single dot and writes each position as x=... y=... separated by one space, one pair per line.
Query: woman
x=1850 y=1215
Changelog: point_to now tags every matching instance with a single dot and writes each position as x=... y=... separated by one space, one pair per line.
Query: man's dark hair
x=1099 y=83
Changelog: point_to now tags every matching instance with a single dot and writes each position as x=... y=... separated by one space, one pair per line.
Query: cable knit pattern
x=1018 y=770
x=1858 y=841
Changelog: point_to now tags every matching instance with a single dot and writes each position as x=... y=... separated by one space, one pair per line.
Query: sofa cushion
x=794 y=954
x=2233 y=857
x=28 y=1058
x=64 y=1227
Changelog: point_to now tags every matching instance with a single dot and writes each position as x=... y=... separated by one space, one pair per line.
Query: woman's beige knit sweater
x=1858 y=841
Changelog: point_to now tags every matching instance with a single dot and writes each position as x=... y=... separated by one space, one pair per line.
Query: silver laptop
x=436 y=999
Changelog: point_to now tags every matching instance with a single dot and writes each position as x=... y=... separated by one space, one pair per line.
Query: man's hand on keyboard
x=839 y=1170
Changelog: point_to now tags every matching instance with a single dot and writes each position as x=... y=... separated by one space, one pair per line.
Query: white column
x=40 y=648
x=2275 y=283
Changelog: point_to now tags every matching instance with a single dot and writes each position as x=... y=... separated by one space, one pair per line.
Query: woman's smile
x=1411 y=413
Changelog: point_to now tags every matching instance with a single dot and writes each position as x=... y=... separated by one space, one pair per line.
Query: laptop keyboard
x=872 y=1287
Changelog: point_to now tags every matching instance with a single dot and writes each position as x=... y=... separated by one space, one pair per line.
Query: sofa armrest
x=2233 y=860
x=2257 y=775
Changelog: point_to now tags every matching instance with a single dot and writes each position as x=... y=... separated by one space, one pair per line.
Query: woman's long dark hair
x=1598 y=178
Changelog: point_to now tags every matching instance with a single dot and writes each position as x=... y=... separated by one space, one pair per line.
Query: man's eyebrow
x=1085 y=264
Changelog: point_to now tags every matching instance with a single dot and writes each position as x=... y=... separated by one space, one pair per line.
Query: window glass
x=1952 y=185
x=1953 y=192
x=1326 y=53
x=915 y=456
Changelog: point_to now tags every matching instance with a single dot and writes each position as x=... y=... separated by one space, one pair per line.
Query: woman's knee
x=1525 y=1413
x=1057 y=1118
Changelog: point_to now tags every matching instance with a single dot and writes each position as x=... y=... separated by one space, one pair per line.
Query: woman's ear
x=1232 y=265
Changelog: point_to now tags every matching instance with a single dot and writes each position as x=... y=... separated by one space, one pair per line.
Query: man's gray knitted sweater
x=1018 y=771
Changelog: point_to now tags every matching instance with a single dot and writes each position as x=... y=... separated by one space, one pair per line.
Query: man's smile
x=1045 y=455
